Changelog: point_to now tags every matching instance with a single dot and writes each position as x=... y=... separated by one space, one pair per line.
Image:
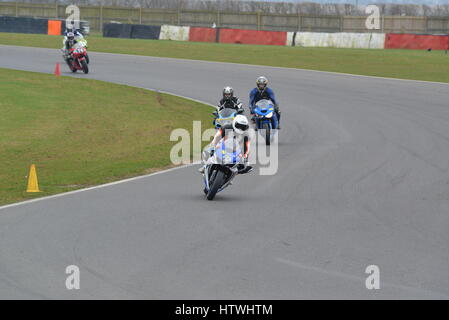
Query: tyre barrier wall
x=36 y=25
x=200 y=34
x=131 y=31
x=336 y=40
x=417 y=42
x=220 y=35
x=174 y=33
x=23 y=25
x=276 y=38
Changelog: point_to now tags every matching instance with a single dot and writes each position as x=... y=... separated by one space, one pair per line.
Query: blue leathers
x=257 y=94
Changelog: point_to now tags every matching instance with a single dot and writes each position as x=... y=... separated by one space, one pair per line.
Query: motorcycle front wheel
x=216 y=184
x=267 y=129
x=71 y=67
x=84 y=66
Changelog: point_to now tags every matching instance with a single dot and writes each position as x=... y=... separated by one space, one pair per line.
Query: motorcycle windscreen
x=226 y=116
x=264 y=107
x=228 y=151
x=79 y=45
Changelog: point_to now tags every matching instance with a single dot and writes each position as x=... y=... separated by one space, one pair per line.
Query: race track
x=363 y=180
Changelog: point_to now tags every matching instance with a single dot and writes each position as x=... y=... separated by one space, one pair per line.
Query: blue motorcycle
x=222 y=167
x=266 y=119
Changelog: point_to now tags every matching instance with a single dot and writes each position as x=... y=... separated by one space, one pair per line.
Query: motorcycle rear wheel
x=216 y=184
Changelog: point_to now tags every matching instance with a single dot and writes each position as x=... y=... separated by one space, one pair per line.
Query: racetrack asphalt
x=363 y=180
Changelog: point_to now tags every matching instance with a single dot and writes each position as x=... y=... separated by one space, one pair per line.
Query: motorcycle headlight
x=269 y=115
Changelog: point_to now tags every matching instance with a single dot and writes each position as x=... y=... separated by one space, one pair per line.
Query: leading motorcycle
x=221 y=167
x=78 y=58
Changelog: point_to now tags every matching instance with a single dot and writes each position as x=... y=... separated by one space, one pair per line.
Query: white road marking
x=96 y=187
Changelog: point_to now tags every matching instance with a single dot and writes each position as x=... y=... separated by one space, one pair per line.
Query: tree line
x=263 y=6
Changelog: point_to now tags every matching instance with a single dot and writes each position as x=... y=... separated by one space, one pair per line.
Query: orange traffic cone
x=57 y=70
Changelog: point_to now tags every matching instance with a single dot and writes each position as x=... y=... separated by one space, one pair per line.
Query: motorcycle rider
x=71 y=37
x=76 y=32
x=69 y=41
x=239 y=130
x=228 y=101
x=263 y=92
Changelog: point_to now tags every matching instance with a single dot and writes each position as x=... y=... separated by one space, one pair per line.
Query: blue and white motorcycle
x=266 y=119
x=221 y=167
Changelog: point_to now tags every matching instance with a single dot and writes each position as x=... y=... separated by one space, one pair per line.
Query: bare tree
x=287 y=7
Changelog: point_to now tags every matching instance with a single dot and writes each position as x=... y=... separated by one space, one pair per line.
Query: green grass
x=82 y=132
x=404 y=64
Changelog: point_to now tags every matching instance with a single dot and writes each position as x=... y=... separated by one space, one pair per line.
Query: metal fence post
x=427 y=24
x=179 y=17
x=101 y=18
x=383 y=23
x=259 y=20
x=218 y=19
x=17 y=9
x=140 y=15
x=57 y=11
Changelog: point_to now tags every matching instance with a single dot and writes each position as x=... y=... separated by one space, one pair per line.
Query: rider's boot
x=245 y=169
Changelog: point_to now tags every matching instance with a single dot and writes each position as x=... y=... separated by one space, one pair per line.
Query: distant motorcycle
x=266 y=119
x=221 y=167
x=78 y=59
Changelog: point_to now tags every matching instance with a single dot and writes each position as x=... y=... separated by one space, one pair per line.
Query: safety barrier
x=174 y=33
x=336 y=40
x=23 y=25
x=185 y=33
x=200 y=34
x=134 y=31
x=417 y=42
x=145 y=32
x=277 y=38
x=117 y=30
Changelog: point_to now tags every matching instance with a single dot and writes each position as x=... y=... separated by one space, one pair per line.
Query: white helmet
x=240 y=124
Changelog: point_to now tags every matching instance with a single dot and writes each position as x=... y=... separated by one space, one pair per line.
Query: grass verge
x=404 y=64
x=82 y=132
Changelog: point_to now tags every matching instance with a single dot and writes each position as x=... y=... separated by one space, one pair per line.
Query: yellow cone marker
x=33 y=185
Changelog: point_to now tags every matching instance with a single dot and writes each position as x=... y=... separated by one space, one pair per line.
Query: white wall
x=337 y=40
x=174 y=33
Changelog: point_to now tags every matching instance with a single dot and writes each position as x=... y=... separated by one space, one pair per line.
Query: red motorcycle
x=78 y=59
